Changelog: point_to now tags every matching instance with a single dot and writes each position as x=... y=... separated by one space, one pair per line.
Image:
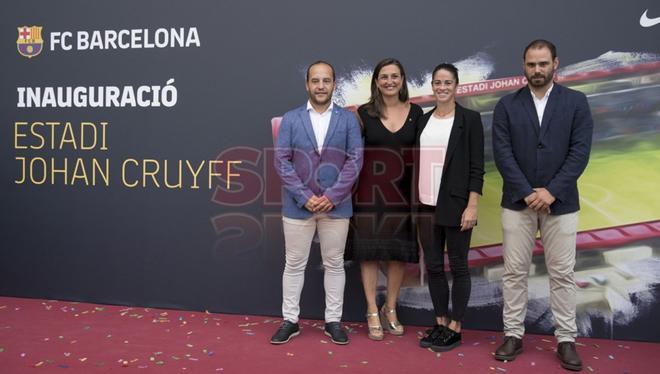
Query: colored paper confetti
x=198 y=336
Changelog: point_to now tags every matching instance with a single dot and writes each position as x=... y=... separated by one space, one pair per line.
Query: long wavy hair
x=375 y=106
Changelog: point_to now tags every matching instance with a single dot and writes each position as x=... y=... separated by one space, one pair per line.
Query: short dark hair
x=449 y=67
x=375 y=105
x=541 y=43
x=319 y=62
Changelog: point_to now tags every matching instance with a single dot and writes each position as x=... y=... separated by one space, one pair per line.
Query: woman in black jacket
x=450 y=169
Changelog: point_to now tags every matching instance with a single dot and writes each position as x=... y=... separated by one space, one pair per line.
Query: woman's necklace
x=443 y=115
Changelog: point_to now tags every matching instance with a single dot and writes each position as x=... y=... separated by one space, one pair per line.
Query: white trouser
x=558 y=234
x=298 y=235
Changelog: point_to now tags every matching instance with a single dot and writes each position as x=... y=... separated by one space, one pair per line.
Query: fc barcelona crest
x=29 y=42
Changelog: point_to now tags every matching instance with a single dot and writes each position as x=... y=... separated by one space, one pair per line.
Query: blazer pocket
x=340 y=132
x=459 y=192
x=339 y=137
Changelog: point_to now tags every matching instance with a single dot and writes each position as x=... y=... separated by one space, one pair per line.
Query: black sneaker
x=286 y=331
x=432 y=334
x=448 y=340
x=336 y=333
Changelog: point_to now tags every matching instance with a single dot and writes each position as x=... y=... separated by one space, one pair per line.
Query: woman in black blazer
x=450 y=170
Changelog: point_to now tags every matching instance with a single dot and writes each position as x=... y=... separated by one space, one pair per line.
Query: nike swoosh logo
x=645 y=21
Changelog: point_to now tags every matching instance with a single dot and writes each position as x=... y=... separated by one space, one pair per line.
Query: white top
x=541 y=103
x=432 y=150
x=320 y=123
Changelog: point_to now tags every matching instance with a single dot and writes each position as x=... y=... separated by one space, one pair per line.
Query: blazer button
x=540 y=146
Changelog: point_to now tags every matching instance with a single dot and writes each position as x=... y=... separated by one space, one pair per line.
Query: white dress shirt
x=320 y=123
x=541 y=103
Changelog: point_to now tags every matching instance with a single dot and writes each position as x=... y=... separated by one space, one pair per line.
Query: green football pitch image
x=619 y=187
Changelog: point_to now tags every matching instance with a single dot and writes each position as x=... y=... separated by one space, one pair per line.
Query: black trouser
x=433 y=238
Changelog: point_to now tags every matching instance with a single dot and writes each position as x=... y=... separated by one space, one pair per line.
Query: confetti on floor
x=79 y=338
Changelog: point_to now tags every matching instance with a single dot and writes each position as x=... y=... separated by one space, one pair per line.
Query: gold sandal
x=395 y=328
x=375 y=331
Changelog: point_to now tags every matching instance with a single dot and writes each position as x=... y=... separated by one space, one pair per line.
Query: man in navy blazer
x=318 y=157
x=541 y=143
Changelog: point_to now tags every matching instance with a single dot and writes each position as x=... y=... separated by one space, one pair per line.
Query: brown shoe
x=508 y=351
x=568 y=356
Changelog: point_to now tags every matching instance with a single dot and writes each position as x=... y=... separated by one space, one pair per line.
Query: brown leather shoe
x=568 y=356
x=511 y=348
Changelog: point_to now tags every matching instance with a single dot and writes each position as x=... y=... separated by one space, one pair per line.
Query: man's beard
x=313 y=99
x=535 y=82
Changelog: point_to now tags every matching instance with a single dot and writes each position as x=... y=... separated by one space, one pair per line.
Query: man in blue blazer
x=318 y=157
x=541 y=142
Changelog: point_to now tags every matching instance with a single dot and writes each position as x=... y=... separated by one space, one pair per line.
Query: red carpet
x=66 y=337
